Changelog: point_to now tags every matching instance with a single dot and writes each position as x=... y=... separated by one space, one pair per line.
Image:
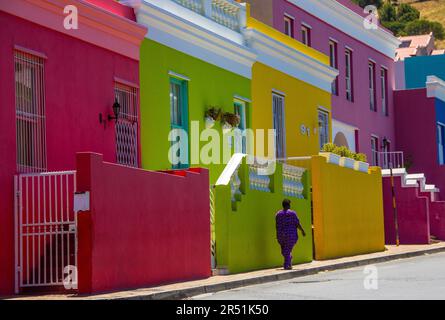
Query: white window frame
x=372 y=83
x=349 y=75
x=291 y=20
x=375 y=149
x=333 y=61
x=326 y=128
x=280 y=133
x=306 y=34
x=384 y=86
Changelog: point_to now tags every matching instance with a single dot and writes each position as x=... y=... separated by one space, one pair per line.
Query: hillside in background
x=433 y=10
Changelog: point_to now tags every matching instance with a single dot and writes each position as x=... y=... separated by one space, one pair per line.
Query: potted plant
x=230 y=121
x=329 y=152
x=361 y=163
x=212 y=115
x=346 y=159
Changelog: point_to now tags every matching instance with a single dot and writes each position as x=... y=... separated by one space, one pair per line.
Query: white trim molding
x=296 y=64
x=178 y=76
x=96 y=25
x=347 y=130
x=193 y=34
x=435 y=88
x=343 y=18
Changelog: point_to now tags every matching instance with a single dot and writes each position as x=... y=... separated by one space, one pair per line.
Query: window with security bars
x=278 y=122
x=323 y=121
x=30 y=113
x=127 y=125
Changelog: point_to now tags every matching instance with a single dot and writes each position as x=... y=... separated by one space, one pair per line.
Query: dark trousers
x=286 y=251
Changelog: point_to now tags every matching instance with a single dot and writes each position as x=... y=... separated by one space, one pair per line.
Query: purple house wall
x=353 y=121
x=419 y=138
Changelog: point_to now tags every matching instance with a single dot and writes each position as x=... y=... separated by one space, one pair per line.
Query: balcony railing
x=228 y=13
x=388 y=160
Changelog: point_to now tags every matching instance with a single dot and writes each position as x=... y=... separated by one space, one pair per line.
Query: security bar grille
x=30 y=113
x=127 y=125
x=278 y=122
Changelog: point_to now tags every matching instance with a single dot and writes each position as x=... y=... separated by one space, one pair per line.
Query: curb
x=205 y=289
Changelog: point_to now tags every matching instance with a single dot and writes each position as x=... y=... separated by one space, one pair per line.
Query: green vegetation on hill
x=411 y=17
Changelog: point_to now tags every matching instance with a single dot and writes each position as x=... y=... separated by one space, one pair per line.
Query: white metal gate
x=45 y=229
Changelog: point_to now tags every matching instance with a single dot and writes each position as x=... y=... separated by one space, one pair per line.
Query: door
x=179 y=122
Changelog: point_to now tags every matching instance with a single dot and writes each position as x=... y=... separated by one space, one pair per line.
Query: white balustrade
x=235 y=184
x=257 y=181
x=292 y=181
x=228 y=13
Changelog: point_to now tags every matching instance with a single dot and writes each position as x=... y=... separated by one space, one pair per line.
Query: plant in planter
x=361 y=163
x=230 y=121
x=346 y=155
x=330 y=152
x=212 y=115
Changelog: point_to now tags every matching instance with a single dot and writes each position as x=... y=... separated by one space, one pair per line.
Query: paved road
x=416 y=278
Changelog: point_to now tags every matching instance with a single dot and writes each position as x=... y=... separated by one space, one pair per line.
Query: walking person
x=287 y=224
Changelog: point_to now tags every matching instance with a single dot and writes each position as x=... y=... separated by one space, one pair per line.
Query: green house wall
x=245 y=233
x=208 y=86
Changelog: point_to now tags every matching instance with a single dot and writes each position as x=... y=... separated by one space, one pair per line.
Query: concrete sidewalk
x=220 y=283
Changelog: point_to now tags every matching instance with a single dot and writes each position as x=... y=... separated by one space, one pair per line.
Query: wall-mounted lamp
x=116 y=112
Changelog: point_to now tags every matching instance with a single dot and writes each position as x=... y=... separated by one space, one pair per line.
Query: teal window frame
x=183 y=107
x=441 y=143
x=242 y=106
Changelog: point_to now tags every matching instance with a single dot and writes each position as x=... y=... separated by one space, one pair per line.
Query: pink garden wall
x=357 y=113
x=79 y=81
x=144 y=228
x=412 y=211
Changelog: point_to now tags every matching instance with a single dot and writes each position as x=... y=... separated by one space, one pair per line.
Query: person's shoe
x=288 y=268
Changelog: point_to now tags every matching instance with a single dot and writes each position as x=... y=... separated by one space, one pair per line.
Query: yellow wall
x=302 y=101
x=281 y=37
x=348 y=210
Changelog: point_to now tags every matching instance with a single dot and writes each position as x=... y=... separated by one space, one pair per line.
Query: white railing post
x=293 y=185
x=235 y=184
x=242 y=16
x=257 y=181
x=207 y=8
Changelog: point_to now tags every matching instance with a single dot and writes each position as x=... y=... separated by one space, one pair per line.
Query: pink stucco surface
x=115 y=8
x=416 y=134
x=79 y=84
x=137 y=234
x=412 y=212
x=357 y=113
x=437 y=219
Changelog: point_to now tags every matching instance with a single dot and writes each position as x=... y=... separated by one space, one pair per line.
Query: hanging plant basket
x=232 y=119
x=209 y=122
x=212 y=115
x=226 y=127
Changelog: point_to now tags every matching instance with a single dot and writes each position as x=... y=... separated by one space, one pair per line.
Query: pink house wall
x=79 y=83
x=437 y=219
x=416 y=134
x=355 y=113
x=144 y=227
